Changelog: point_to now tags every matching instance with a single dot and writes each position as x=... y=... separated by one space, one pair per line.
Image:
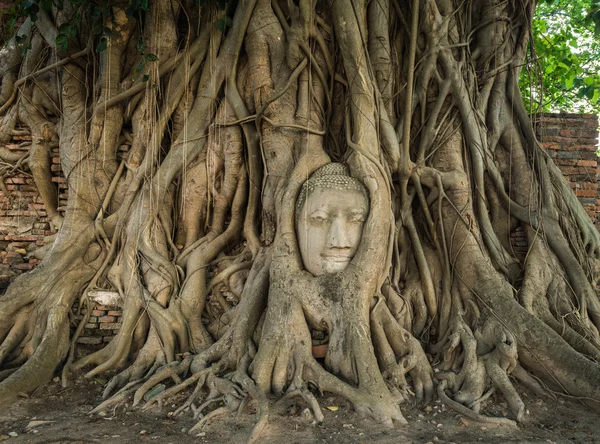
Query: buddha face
x=329 y=228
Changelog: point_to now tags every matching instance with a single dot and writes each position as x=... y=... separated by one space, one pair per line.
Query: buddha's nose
x=338 y=234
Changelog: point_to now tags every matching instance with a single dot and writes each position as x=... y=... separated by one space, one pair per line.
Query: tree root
x=466 y=411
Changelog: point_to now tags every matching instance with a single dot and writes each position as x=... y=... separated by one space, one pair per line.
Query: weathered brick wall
x=24 y=223
x=572 y=141
x=103 y=324
x=105 y=318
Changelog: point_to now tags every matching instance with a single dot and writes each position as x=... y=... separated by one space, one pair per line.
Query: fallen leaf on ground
x=37 y=423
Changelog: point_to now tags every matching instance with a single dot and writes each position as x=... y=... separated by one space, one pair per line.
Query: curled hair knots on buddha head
x=332 y=176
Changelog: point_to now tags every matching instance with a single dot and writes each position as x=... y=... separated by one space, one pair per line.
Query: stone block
x=105 y=298
x=110 y=326
x=94 y=340
x=12 y=258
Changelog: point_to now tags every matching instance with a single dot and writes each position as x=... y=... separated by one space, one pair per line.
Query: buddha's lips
x=336 y=257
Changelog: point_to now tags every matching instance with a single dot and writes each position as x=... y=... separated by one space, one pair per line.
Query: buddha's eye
x=318 y=218
x=357 y=218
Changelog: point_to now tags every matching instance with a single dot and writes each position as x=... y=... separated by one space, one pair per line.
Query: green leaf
x=62 y=41
x=102 y=44
x=223 y=23
x=569 y=82
x=46 y=5
x=68 y=30
x=97 y=28
x=95 y=12
x=151 y=57
x=138 y=68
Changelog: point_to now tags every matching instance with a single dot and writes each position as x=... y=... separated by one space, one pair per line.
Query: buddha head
x=330 y=212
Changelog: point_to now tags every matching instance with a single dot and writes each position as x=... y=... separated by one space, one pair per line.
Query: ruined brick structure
x=570 y=139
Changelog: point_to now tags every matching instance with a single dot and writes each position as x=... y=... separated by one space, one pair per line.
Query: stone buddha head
x=330 y=212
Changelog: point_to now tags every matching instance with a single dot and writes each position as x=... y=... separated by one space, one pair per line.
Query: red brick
x=17 y=180
x=106 y=319
x=12 y=258
x=98 y=312
x=567 y=162
x=587 y=147
x=586 y=193
x=551 y=146
x=576 y=170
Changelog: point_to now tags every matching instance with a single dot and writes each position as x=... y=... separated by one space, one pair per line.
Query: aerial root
x=15 y=337
x=172 y=391
x=234 y=391
x=172 y=370
x=488 y=357
x=217 y=412
x=466 y=411
x=310 y=399
x=521 y=375
x=118 y=398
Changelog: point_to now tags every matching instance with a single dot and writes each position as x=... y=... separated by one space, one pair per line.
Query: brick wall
x=572 y=141
x=24 y=224
x=103 y=324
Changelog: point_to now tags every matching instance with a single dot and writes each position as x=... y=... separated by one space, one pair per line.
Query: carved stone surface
x=330 y=212
x=105 y=297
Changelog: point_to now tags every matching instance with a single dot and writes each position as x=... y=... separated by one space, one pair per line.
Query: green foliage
x=224 y=23
x=564 y=72
x=94 y=13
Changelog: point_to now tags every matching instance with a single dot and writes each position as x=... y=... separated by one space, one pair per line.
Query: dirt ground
x=56 y=415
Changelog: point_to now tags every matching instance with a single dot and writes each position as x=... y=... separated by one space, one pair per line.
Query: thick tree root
x=466 y=411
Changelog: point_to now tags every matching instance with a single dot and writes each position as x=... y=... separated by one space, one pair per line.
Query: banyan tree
x=259 y=177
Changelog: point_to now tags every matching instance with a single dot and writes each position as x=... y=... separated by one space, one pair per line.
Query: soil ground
x=67 y=412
